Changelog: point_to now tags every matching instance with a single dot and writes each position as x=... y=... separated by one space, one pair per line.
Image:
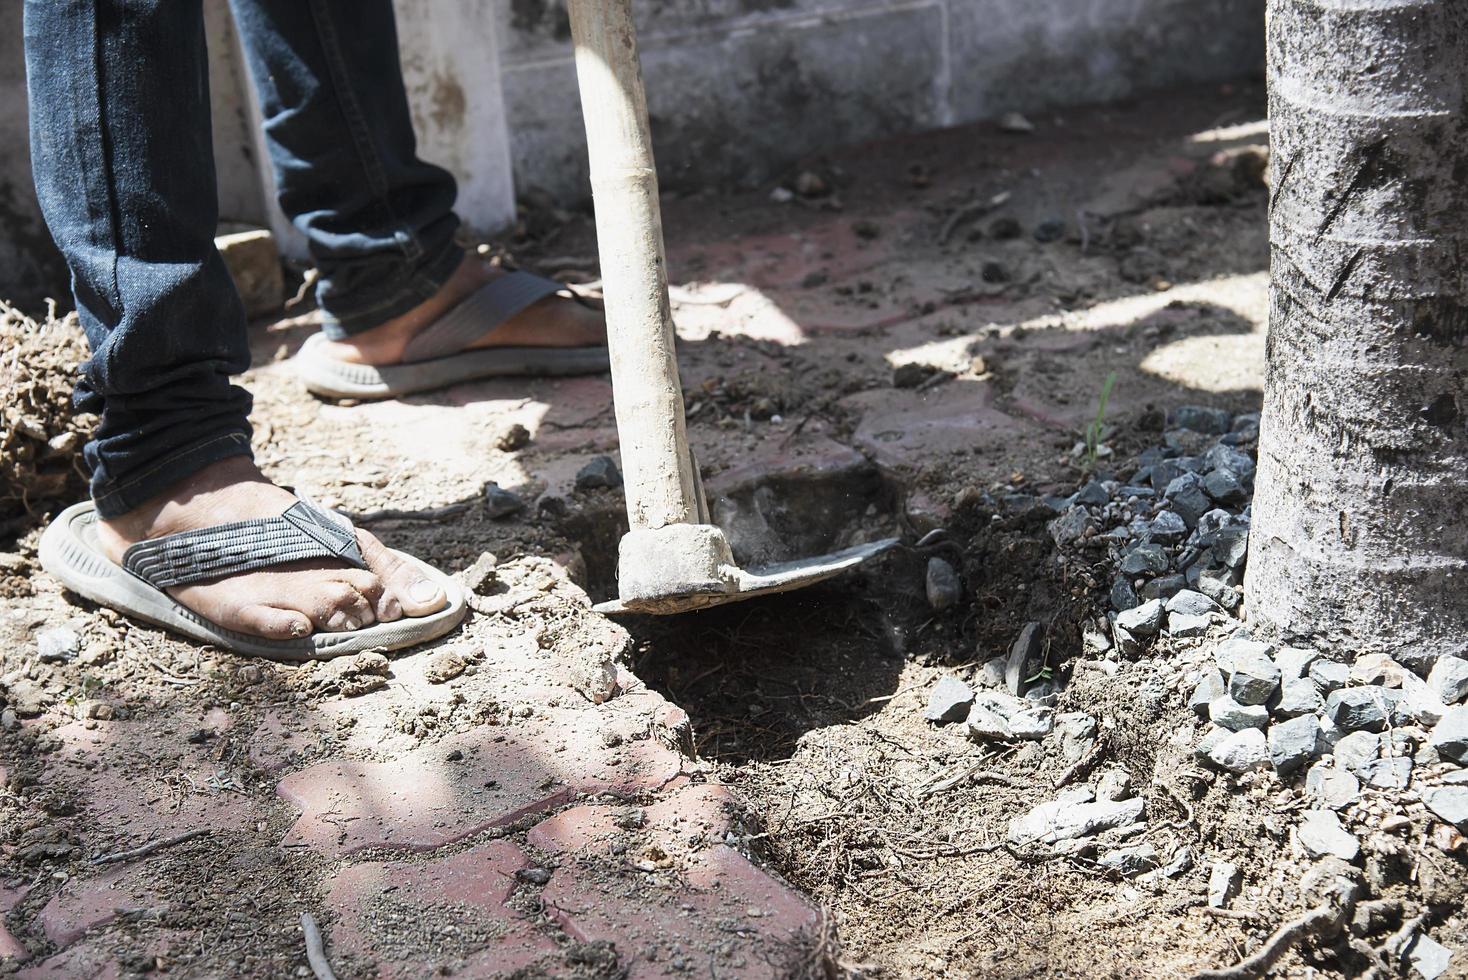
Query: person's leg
x=378 y=220
x=122 y=157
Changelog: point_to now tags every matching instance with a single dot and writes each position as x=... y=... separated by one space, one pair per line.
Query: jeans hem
x=116 y=497
x=426 y=280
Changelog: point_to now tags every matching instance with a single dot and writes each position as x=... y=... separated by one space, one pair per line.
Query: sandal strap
x=483 y=310
x=303 y=531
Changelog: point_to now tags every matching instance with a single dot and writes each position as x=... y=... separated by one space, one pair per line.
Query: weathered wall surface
x=737 y=88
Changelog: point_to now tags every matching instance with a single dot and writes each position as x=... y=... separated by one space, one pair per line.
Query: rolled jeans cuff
x=342 y=317
x=115 y=498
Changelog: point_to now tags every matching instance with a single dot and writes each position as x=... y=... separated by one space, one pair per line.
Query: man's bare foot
x=551 y=322
x=281 y=603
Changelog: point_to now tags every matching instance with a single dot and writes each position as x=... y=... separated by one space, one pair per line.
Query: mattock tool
x=673 y=559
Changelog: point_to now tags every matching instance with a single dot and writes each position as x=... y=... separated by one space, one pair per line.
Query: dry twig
x=151 y=847
x=1327 y=917
x=315 y=949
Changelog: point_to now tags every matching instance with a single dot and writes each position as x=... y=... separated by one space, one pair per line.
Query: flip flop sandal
x=70 y=552
x=438 y=356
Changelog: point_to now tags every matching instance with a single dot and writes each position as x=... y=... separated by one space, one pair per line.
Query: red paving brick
x=669 y=895
x=441 y=917
x=422 y=800
x=83 y=904
x=11 y=949
x=910 y=430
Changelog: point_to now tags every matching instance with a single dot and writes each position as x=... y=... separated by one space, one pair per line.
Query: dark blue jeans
x=122 y=155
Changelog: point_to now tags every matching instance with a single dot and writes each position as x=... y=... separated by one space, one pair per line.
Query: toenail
x=423 y=591
x=341 y=622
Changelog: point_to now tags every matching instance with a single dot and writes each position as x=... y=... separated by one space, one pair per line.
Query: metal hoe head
x=685 y=567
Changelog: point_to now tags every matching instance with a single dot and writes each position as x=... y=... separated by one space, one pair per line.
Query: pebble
x=1070 y=526
x=1199 y=418
x=949 y=701
x=1294 y=743
x=1228 y=713
x=1181 y=863
x=513 y=438
x=1114 y=784
x=1294 y=661
x=1253 y=678
x=1182 y=625
x=27 y=699
x=8 y=721
x=58 y=645
x=1026 y=657
x=1164 y=587
x=1068 y=818
x=1321 y=834
x=1191 y=603
x=1230 y=547
x=1429 y=957
x=1449 y=679
x=1419 y=702
x=1093 y=494
x=1355 y=750
x=1241 y=751
x=1144 y=559
x=1329 y=675
x=1013 y=122
x=1225 y=488
x=1450 y=803
x=443 y=667
x=1221 y=457
x=1220 y=583
x=1210 y=687
x=1376 y=669
x=1359 y=708
x=500 y=503
x=1129 y=862
x=1300 y=696
x=943 y=585
x=1123 y=596
x=599 y=474
x=1450 y=736
x=999 y=717
x=1167 y=527
x=1144 y=620
x=1393 y=773
x=1332 y=786
x=1191 y=503
x=1223 y=884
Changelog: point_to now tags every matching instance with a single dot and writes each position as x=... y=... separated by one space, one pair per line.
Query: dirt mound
x=41 y=433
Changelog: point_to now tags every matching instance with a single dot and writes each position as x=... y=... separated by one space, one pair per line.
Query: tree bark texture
x=1360 y=520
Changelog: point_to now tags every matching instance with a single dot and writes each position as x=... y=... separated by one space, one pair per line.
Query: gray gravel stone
x=1199 y=418
x=1144 y=620
x=1294 y=661
x=1393 y=773
x=949 y=701
x=1223 y=884
x=1219 y=583
x=1241 y=752
x=1450 y=736
x=1299 y=697
x=1239 y=649
x=1026 y=657
x=943 y=585
x=1419 y=702
x=1181 y=863
x=1230 y=547
x=1070 y=526
x=1229 y=458
x=1145 y=559
x=1254 y=678
x=1114 y=784
x=1332 y=786
x=999 y=717
x=1376 y=669
x=1329 y=675
x=1227 y=713
x=1225 y=488
x=1191 y=503
x=1061 y=819
x=58 y=645
x=1093 y=494
x=1450 y=803
x=1360 y=708
x=500 y=503
x=1123 y=596
x=27 y=698
x=1192 y=603
x=1321 y=834
x=1357 y=749
x=1167 y=528
x=1164 y=587
x=1429 y=957
x=1129 y=862
x=599 y=474
x=1182 y=625
x=1449 y=679
x=1204 y=749
x=1294 y=743
x=1210 y=687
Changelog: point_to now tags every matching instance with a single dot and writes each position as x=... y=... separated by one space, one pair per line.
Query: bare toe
x=273 y=623
x=416 y=595
x=336 y=607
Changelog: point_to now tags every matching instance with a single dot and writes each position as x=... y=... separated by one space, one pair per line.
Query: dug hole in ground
x=1036 y=739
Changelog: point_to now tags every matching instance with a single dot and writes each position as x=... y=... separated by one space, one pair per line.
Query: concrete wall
x=737 y=89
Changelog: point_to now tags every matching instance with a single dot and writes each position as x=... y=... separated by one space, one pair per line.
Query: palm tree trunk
x=1360 y=532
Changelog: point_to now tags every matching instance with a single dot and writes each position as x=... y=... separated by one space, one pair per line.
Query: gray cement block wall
x=737 y=89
